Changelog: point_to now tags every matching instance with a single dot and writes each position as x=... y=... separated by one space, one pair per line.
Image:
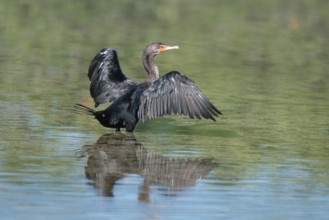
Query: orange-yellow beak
x=164 y=48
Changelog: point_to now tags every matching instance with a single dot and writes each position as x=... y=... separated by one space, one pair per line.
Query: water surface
x=264 y=65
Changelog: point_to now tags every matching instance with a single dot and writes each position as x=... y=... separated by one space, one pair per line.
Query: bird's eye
x=103 y=115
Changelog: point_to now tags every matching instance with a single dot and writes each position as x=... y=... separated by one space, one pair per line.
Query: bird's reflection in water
x=116 y=155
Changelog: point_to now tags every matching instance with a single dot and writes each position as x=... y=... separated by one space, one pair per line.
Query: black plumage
x=107 y=81
x=173 y=93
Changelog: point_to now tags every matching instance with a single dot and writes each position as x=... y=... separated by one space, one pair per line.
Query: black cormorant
x=173 y=93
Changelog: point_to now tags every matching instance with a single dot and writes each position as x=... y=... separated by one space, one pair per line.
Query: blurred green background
x=264 y=64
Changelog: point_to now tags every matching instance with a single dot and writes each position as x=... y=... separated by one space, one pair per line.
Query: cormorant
x=173 y=93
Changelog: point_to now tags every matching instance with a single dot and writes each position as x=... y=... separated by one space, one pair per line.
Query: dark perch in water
x=173 y=93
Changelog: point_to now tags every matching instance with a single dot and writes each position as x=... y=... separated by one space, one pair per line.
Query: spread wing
x=174 y=93
x=108 y=82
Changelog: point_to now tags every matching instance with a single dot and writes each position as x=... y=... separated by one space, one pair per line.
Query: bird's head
x=158 y=47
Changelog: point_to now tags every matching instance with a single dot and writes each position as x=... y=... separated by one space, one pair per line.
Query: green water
x=264 y=64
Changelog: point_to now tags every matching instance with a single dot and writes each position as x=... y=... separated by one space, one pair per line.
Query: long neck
x=150 y=67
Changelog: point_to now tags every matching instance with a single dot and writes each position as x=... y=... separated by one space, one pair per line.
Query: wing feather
x=108 y=82
x=175 y=93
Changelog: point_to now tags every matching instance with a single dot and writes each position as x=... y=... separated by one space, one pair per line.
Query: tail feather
x=84 y=109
